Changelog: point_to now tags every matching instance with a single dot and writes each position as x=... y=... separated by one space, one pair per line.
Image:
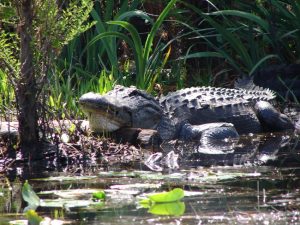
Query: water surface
x=256 y=182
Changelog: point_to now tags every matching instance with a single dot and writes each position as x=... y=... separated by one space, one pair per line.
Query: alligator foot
x=271 y=119
x=213 y=137
x=208 y=132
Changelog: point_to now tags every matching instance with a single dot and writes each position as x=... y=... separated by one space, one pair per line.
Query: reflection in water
x=248 y=150
x=167 y=209
x=256 y=182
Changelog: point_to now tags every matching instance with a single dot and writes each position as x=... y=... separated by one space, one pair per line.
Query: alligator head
x=121 y=107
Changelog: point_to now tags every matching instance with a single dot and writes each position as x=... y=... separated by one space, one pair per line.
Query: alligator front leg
x=271 y=119
x=208 y=132
x=214 y=138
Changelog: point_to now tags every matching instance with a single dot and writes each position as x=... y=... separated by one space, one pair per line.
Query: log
x=146 y=138
x=127 y=134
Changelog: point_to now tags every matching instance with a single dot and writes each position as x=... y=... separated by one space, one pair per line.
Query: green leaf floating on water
x=100 y=195
x=165 y=203
x=30 y=196
x=168 y=209
x=170 y=196
x=145 y=203
x=33 y=217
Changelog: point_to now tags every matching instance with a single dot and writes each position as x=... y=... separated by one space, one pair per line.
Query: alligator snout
x=104 y=115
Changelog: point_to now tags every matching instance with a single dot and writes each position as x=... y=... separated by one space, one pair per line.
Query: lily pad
x=135 y=186
x=30 y=197
x=168 y=209
x=210 y=176
x=160 y=176
x=71 y=193
x=118 y=174
x=65 y=203
x=170 y=196
x=66 y=178
x=45 y=221
x=99 y=195
x=18 y=222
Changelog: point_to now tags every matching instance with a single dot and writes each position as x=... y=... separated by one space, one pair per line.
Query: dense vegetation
x=237 y=36
x=55 y=51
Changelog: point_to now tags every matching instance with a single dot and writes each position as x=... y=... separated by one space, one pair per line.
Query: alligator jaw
x=104 y=115
x=103 y=123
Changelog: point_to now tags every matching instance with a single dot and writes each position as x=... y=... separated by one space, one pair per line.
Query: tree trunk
x=26 y=86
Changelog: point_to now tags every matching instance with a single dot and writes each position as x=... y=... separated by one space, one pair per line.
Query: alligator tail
x=246 y=83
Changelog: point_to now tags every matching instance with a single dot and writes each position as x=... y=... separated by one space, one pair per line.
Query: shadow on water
x=253 y=181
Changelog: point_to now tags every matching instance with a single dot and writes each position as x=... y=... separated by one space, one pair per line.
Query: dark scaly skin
x=130 y=107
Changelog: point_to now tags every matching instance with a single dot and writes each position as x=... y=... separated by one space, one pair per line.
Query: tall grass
x=7 y=96
x=104 y=54
x=249 y=36
x=147 y=58
x=65 y=91
x=246 y=35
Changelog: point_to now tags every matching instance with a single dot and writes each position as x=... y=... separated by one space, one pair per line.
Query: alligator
x=204 y=113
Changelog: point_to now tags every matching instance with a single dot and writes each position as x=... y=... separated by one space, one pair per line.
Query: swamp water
x=257 y=181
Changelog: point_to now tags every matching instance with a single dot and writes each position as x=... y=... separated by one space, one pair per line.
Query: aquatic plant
x=145 y=56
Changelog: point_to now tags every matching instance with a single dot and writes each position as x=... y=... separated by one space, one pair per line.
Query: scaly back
x=199 y=105
x=203 y=97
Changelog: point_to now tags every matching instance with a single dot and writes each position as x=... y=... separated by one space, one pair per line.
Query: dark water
x=257 y=181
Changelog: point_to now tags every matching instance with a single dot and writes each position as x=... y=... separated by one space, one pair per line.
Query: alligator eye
x=134 y=93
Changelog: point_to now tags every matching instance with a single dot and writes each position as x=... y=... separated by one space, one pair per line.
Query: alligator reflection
x=278 y=149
